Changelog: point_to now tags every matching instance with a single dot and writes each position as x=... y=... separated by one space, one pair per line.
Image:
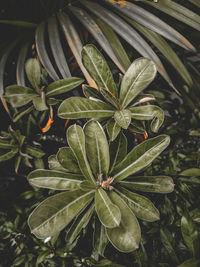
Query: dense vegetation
x=99 y=120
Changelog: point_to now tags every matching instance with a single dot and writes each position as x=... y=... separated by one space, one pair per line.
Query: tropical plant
x=118 y=108
x=92 y=173
x=104 y=20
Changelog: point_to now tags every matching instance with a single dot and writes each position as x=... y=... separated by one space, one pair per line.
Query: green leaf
x=123 y=118
x=57 y=211
x=118 y=150
x=149 y=112
x=63 y=86
x=18 y=115
x=126 y=236
x=32 y=68
x=78 y=224
x=154 y=184
x=195 y=2
x=67 y=160
x=100 y=239
x=190 y=172
x=76 y=141
x=87 y=186
x=108 y=213
x=190 y=234
x=141 y=206
x=109 y=97
x=98 y=68
x=6 y=144
x=56 y=180
x=34 y=151
x=167 y=239
x=79 y=107
x=92 y=93
x=97 y=148
x=191 y=262
x=19 y=23
x=113 y=129
x=137 y=127
x=39 y=103
x=19 y=96
x=138 y=76
x=140 y=157
x=54 y=163
x=7 y=154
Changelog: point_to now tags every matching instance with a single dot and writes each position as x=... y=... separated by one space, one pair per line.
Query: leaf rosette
x=92 y=173
x=125 y=108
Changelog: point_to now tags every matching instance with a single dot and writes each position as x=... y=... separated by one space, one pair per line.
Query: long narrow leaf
x=20 y=74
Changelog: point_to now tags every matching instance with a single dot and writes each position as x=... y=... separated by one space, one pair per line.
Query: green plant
x=122 y=108
x=94 y=183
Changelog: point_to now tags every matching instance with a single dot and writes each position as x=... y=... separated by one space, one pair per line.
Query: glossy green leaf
x=78 y=224
x=190 y=234
x=137 y=127
x=19 y=96
x=154 y=184
x=32 y=68
x=87 y=186
x=113 y=129
x=178 y=11
x=54 y=164
x=76 y=141
x=114 y=43
x=62 y=86
x=140 y=157
x=190 y=172
x=74 y=43
x=79 y=107
x=42 y=51
x=118 y=150
x=67 y=160
x=109 y=97
x=94 y=29
x=149 y=112
x=5 y=144
x=98 y=68
x=97 y=149
x=108 y=213
x=123 y=118
x=7 y=154
x=39 y=104
x=55 y=44
x=138 y=76
x=141 y=206
x=57 y=211
x=149 y=20
x=100 y=239
x=92 y=93
x=126 y=236
x=56 y=180
x=166 y=238
x=34 y=151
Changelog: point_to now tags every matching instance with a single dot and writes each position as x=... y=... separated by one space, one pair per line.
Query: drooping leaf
x=100 y=239
x=98 y=68
x=78 y=225
x=76 y=141
x=140 y=157
x=126 y=236
x=113 y=129
x=62 y=86
x=138 y=76
x=74 y=43
x=19 y=96
x=154 y=184
x=123 y=118
x=57 y=211
x=79 y=107
x=108 y=213
x=42 y=51
x=67 y=160
x=20 y=73
x=7 y=154
x=56 y=180
x=97 y=149
x=118 y=150
x=141 y=206
x=32 y=68
x=18 y=115
x=149 y=112
x=55 y=44
x=109 y=97
x=190 y=234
